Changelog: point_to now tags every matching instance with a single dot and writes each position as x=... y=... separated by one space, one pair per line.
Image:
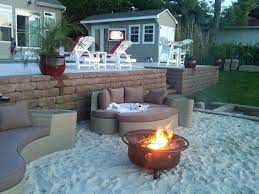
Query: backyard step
x=171 y=91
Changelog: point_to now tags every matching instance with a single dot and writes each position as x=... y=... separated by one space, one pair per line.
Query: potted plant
x=190 y=62
x=51 y=62
x=218 y=52
x=57 y=36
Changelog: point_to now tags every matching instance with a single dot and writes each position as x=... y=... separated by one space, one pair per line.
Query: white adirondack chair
x=120 y=57
x=178 y=52
x=81 y=56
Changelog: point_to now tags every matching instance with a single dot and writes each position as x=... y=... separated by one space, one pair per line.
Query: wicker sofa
x=105 y=121
x=50 y=131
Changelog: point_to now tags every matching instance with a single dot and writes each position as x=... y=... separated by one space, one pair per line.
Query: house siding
x=4 y=46
x=249 y=35
x=139 y=51
x=165 y=19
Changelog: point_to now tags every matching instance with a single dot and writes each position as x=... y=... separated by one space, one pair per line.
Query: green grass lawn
x=233 y=87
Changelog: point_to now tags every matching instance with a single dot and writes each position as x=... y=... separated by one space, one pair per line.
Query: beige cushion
x=104 y=114
x=154 y=113
x=104 y=99
x=117 y=95
x=156 y=96
x=133 y=95
x=15 y=116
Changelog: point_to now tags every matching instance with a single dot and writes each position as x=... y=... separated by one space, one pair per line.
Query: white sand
x=223 y=158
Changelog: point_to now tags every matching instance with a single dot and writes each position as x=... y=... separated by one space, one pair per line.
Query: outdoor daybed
x=105 y=121
x=26 y=136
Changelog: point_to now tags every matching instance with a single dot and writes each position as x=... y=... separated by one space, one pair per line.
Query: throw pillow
x=134 y=95
x=104 y=99
x=117 y=95
x=156 y=96
x=15 y=116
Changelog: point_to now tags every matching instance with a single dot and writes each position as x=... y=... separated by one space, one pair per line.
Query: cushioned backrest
x=15 y=116
x=156 y=96
x=104 y=99
x=134 y=94
x=117 y=95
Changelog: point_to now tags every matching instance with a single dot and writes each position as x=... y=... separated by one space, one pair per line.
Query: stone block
x=83 y=89
x=46 y=85
x=20 y=87
x=38 y=78
x=65 y=99
x=4 y=80
x=32 y=103
x=19 y=79
x=73 y=76
x=7 y=88
x=67 y=90
x=51 y=92
x=46 y=101
x=15 y=96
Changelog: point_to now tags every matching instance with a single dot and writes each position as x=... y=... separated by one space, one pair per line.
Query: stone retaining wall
x=188 y=81
x=73 y=91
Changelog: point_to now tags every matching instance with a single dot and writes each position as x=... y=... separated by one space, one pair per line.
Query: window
x=5 y=22
x=149 y=34
x=134 y=34
x=49 y=20
x=28 y=28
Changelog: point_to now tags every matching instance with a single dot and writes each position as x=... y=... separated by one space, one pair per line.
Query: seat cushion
x=104 y=114
x=154 y=113
x=134 y=94
x=104 y=99
x=12 y=165
x=117 y=95
x=15 y=116
x=156 y=96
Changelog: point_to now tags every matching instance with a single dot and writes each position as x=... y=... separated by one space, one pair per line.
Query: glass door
x=34 y=29
x=28 y=28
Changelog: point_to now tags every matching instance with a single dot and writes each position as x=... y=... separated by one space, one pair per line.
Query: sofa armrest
x=94 y=101
x=168 y=101
x=37 y=119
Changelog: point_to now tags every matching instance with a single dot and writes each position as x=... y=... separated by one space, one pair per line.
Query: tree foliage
x=237 y=14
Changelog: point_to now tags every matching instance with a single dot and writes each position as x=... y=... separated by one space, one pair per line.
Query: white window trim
x=11 y=7
x=52 y=13
x=16 y=39
x=130 y=26
x=154 y=33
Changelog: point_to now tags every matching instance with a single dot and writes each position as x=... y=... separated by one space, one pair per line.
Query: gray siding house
x=149 y=31
x=22 y=20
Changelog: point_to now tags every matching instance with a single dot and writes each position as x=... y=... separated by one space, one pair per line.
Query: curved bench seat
x=12 y=164
x=154 y=113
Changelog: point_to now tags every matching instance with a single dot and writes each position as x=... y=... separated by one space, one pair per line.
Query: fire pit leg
x=156 y=174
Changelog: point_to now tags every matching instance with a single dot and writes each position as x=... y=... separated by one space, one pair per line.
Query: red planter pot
x=53 y=65
x=218 y=62
x=190 y=63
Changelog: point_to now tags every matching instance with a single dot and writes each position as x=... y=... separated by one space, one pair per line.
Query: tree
x=216 y=18
x=237 y=14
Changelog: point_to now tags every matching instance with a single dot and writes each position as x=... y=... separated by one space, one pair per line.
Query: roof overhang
x=50 y=5
x=118 y=19
x=127 y=18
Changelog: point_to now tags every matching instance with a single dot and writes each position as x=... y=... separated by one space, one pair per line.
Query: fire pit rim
x=182 y=148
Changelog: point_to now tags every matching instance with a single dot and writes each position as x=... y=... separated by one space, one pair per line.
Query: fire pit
x=157 y=150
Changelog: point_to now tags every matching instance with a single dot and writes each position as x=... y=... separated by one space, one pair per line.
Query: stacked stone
x=73 y=91
x=188 y=81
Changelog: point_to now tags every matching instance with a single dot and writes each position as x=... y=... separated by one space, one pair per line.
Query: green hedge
x=246 y=54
